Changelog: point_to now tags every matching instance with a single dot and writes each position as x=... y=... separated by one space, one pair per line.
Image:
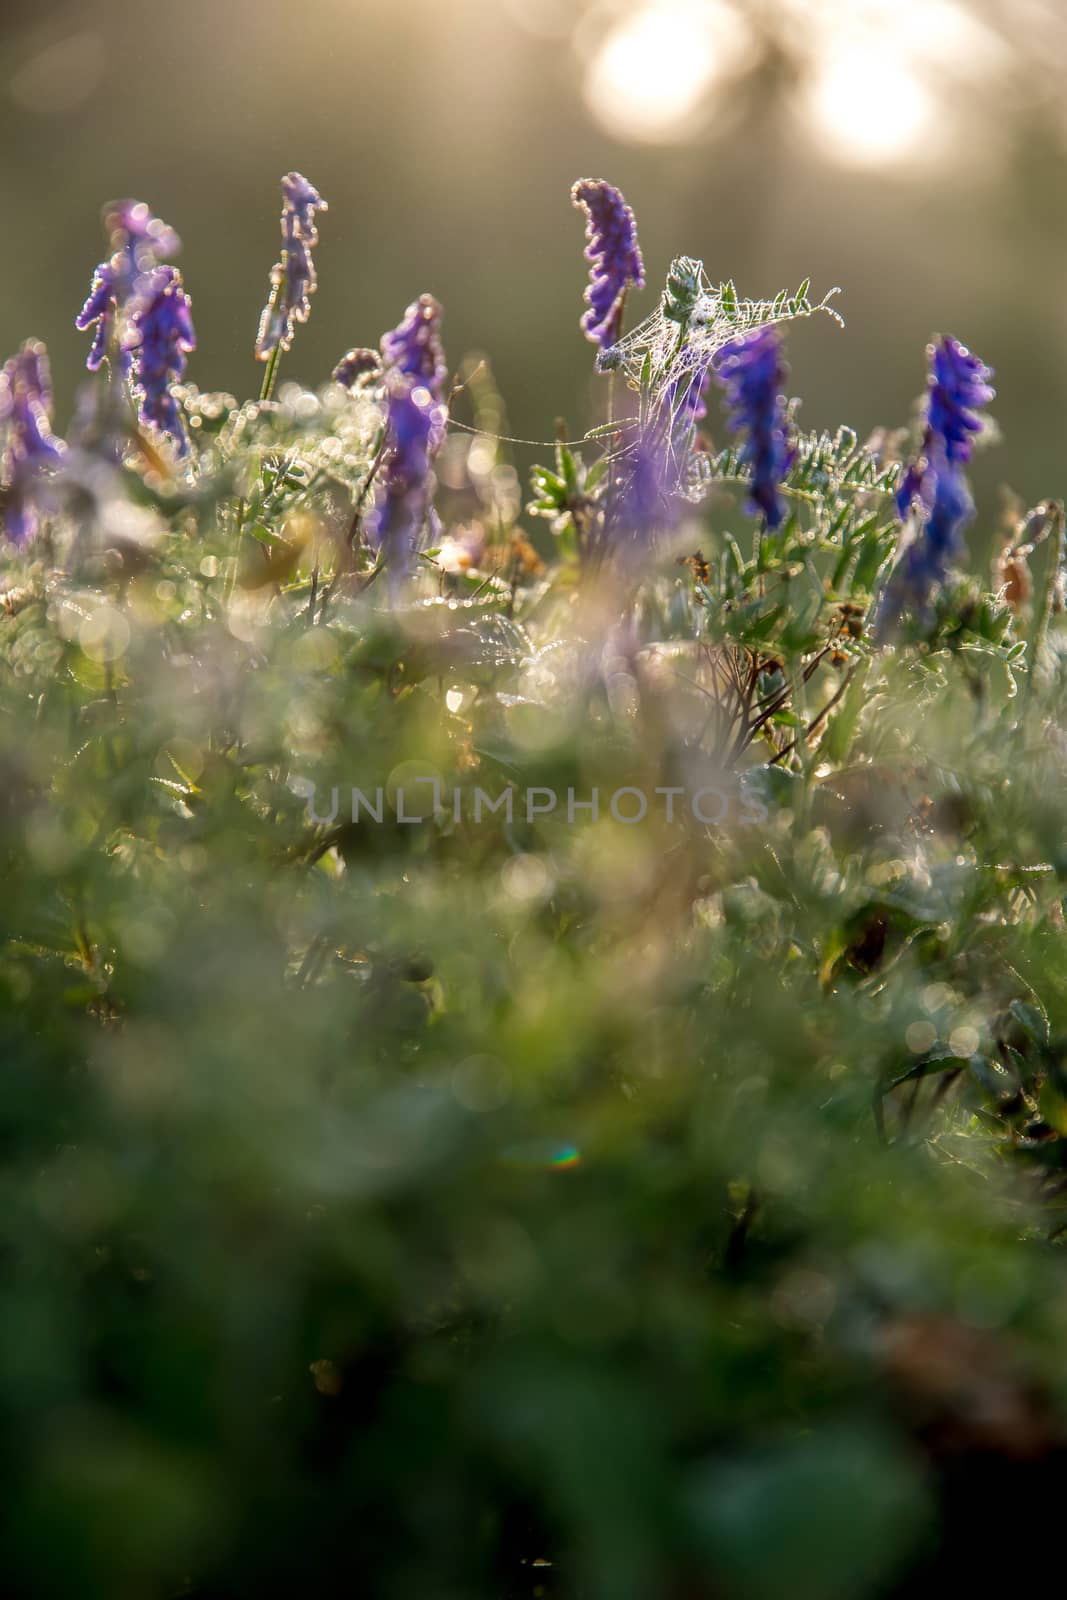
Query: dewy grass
x=422 y=1174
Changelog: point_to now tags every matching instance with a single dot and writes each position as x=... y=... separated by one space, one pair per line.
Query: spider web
x=668 y=356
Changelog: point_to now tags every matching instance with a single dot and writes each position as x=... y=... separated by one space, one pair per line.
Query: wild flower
x=163 y=335
x=640 y=504
x=614 y=257
x=139 y=242
x=357 y=364
x=394 y=526
x=293 y=280
x=752 y=372
x=935 y=547
x=414 y=347
x=107 y=294
x=29 y=445
x=145 y=239
x=413 y=351
x=934 y=486
x=958 y=387
x=687 y=394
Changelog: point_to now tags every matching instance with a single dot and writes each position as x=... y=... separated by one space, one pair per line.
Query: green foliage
x=683 y=286
x=503 y=1204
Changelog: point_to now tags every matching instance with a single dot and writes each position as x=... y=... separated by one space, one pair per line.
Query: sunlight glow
x=876 y=78
x=651 y=72
x=868 y=109
x=881 y=74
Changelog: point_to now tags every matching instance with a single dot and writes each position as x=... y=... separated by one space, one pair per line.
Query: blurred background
x=912 y=151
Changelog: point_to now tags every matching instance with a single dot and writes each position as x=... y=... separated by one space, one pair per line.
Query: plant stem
x=271 y=373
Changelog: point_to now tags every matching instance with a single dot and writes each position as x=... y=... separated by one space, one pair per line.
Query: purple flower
x=413 y=352
x=162 y=335
x=640 y=504
x=752 y=372
x=935 y=548
x=687 y=396
x=108 y=292
x=145 y=240
x=912 y=484
x=614 y=256
x=404 y=499
x=29 y=445
x=139 y=242
x=414 y=348
x=958 y=388
x=355 y=365
x=934 y=485
x=293 y=280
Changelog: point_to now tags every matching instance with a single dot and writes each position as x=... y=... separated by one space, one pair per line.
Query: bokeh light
x=876 y=77
x=867 y=109
x=880 y=75
x=652 y=72
x=60 y=76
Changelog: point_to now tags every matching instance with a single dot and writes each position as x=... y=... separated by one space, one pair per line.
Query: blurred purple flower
x=414 y=348
x=162 y=335
x=108 y=292
x=912 y=484
x=934 y=549
x=355 y=365
x=292 y=279
x=145 y=240
x=687 y=396
x=641 y=504
x=958 y=388
x=752 y=372
x=29 y=445
x=614 y=256
x=394 y=525
x=139 y=242
x=934 y=485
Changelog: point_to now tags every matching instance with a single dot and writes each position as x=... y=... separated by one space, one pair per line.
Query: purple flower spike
x=161 y=329
x=145 y=240
x=293 y=279
x=404 y=501
x=139 y=242
x=100 y=312
x=355 y=365
x=642 y=504
x=687 y=397
x=414 y=348
x=925 y=562
x=934 y=486
x=614 y=256
x=958 y=388
x=29 y=443
x=752 y=372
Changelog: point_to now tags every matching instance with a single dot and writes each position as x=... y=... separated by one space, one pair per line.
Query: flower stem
x=271 y=373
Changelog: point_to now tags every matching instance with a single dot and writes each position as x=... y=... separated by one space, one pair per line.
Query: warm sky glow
x=654 y=69
x=873 y=72
x=867 y=109
x=879 y=70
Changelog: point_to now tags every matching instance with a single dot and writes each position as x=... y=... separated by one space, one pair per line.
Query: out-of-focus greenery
x=484 y=1208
